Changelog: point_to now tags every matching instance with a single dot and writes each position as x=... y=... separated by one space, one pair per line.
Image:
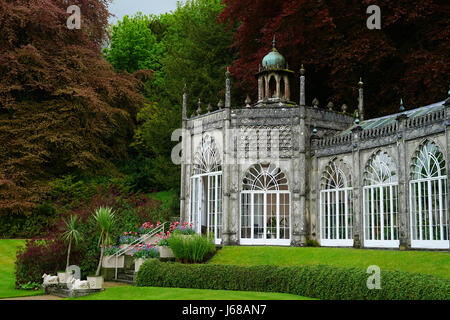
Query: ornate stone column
x=358 y=238
x=403 y=185
x=298 y=213
x=361 y=100
x=302 y=86
x=260 y=88
x=183 y=211
x=447 y=135
x=278 y=90
x=227 y=158
x=287 y=89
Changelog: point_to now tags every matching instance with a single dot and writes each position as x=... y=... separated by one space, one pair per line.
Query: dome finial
x=274 y=41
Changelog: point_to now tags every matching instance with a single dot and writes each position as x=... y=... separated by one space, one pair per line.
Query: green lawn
x=435 y=263
x=8 y=250
x=153 y=293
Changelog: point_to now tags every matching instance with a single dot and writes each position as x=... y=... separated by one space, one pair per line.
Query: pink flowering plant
x=148 y=227
x=184 y=228
x=162 y=239
x=127 y=238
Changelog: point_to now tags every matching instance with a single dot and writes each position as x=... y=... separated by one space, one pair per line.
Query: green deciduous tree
x=188 y=46
x=133 y=45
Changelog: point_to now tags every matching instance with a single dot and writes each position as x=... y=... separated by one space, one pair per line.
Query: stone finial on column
x=361 y=99
x=199 y=109
x=184 y=112
x=447 y=101
x=209 y=108
x=315 y=103
x=402 y=108
x=302 y=86
x=247 y=102
x=330 y=105
x=314 y=136
x=344 y=108
x=220 y=104
x=314 y=131
x=357 y=117
x=227 y=89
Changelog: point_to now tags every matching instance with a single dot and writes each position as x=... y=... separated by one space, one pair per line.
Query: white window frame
x=368 y=239
x=341 y=186
x=207 y=164
x=196 y=213
x=380 y=177
x=441 y=195
x=275 y=178
x=265 y=241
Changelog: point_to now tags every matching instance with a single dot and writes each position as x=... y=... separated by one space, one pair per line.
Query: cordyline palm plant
x=105 y=217
x=72 y=234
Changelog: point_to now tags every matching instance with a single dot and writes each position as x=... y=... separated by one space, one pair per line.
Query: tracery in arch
x=428 y=162
x=207 y=158
x=380 y=170
x=265 y=177
x=335 y=176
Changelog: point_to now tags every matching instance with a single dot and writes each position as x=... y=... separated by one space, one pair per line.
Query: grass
x=154 y=293
x=8 y=250
x=427 y=262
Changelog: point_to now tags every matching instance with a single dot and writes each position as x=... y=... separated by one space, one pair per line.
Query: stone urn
x=165 y=252
x=95 y=282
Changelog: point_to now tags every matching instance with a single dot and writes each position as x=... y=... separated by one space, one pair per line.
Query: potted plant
x=71 y=234
x=163 y=246
x=184 y=229
x=143 y=253
x=127 y=240
x=110 y=261
x=105 y=217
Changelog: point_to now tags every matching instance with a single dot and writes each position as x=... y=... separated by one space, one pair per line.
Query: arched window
x=207 y=157
x=336 y=210
x=265 y=206
x=428 y=196
x=272 y=87
x=380 y=198
x=206 y=190
x=265 y=177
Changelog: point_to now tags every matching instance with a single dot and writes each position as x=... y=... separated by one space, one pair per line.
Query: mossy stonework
x=275 y=172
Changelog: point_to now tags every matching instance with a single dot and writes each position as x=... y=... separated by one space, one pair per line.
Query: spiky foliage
x=105 y=217
x=71 y=234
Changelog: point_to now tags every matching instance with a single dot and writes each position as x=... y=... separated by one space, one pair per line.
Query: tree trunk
x=102 y=249
x=68 y=253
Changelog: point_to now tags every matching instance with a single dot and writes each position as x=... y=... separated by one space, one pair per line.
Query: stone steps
x=126 y=276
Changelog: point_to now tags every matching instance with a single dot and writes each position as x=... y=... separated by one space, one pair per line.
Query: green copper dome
x=274 y=60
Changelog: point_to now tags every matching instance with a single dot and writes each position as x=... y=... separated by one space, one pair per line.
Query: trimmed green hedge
x=319 y=281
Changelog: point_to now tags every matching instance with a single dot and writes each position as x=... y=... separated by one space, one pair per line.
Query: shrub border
x=317 y=281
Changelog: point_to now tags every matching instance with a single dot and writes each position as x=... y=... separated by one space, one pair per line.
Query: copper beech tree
x=63 y=108
x=407 y=58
